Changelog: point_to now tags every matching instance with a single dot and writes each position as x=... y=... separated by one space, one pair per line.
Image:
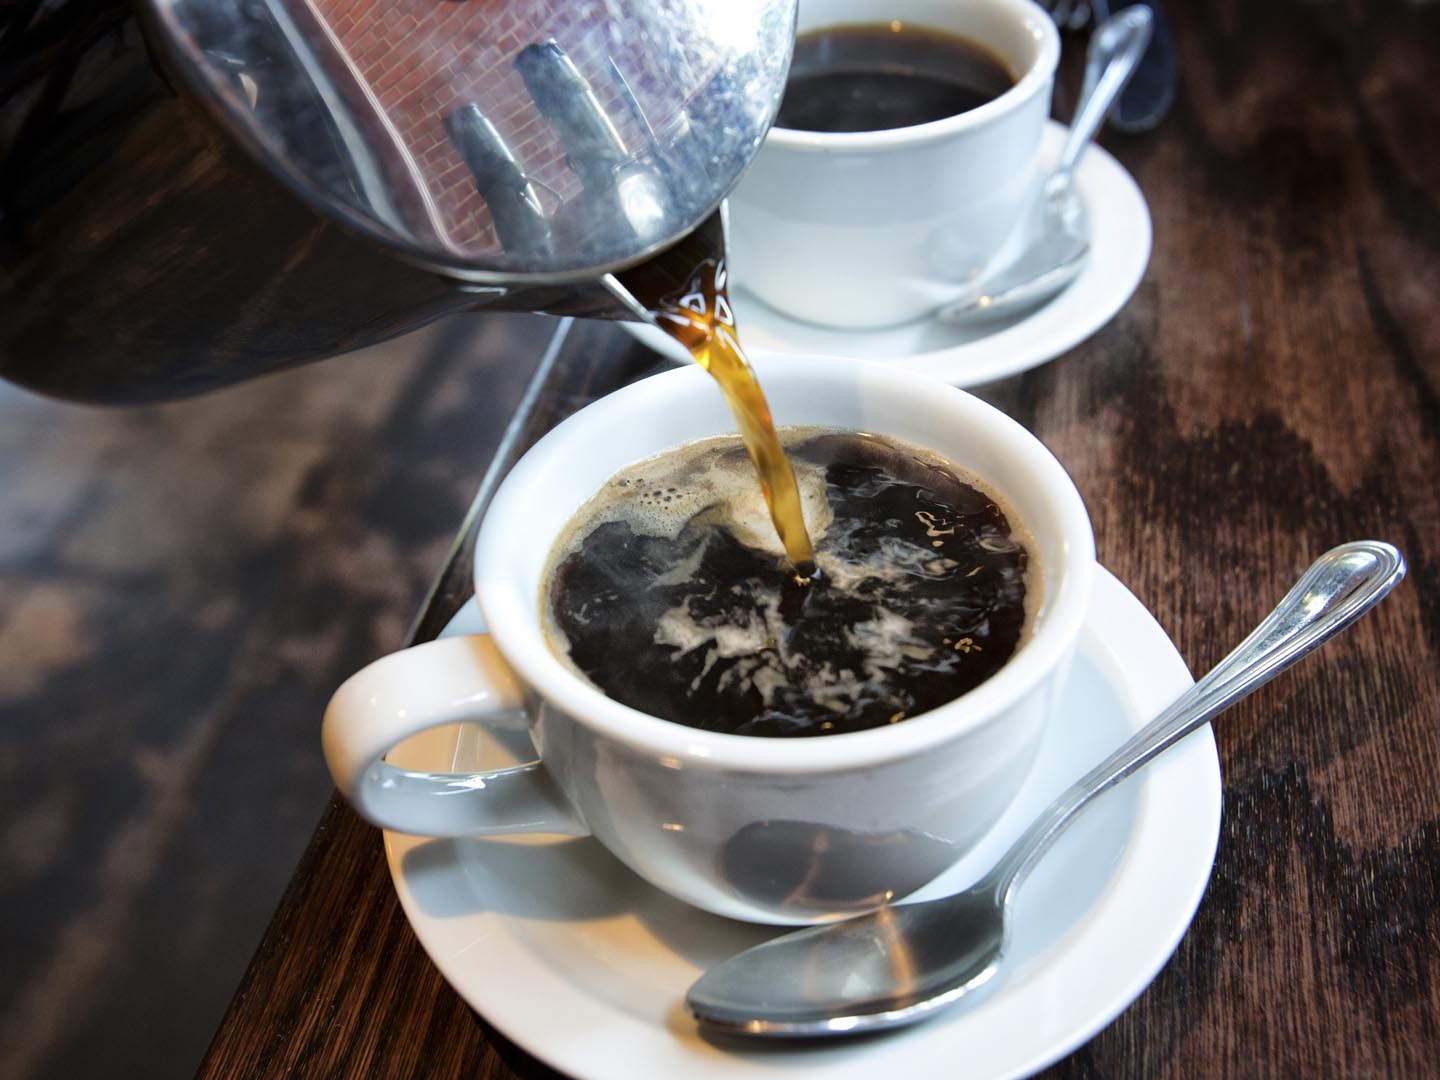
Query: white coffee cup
x=873 y=228
x=718 y=819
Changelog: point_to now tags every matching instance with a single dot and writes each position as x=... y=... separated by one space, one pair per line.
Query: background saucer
x=583 y=964
x=979 y=352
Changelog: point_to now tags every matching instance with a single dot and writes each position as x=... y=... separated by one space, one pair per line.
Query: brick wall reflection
x=421 y=59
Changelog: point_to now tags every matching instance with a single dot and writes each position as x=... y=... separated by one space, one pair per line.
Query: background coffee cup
x=771 y=830
x=874 y=228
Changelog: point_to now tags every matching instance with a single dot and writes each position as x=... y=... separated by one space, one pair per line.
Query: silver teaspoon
x=901 y=964
x=1062 y=246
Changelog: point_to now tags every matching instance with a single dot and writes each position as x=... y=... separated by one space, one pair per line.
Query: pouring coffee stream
x=698 y=314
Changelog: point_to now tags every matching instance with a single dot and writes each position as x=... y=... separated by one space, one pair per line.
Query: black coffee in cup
x=669 y=591
x=869 y=77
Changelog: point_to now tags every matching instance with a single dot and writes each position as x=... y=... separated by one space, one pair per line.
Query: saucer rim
x=1122 y=240
x=1159 y=906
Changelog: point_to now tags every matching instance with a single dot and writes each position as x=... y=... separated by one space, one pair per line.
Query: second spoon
x=1060 y=225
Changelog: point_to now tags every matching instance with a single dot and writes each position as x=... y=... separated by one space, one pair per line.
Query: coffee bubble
x=659 y=497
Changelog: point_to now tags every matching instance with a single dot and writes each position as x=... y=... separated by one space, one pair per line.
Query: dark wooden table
x=1272 y=389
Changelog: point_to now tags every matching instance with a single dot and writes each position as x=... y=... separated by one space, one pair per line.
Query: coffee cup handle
x=453 y=680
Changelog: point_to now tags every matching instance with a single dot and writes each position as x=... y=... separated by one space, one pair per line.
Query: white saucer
x=583 y=964
x=978 y=352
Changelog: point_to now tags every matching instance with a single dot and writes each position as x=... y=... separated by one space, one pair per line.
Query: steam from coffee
x=671 y=593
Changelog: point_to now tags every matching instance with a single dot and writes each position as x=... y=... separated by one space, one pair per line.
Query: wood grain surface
x=182 y=587
x=1272 y=389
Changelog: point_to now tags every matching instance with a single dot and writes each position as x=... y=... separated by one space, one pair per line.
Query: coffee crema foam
x=671 y=593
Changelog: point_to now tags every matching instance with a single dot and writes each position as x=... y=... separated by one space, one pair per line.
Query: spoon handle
x=1114 y=51
x=1339 y=587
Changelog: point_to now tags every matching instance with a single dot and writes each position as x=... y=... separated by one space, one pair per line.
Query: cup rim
x=512 y=617
x=1039 y=76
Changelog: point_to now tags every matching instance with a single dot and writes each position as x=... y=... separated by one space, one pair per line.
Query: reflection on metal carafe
x=194 y=192
x=520 y=221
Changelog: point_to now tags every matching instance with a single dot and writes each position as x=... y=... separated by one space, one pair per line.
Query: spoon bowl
x=900 y=964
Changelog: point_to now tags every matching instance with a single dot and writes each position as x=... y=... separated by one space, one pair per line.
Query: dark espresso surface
x=920 y=595
x=873 y=76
